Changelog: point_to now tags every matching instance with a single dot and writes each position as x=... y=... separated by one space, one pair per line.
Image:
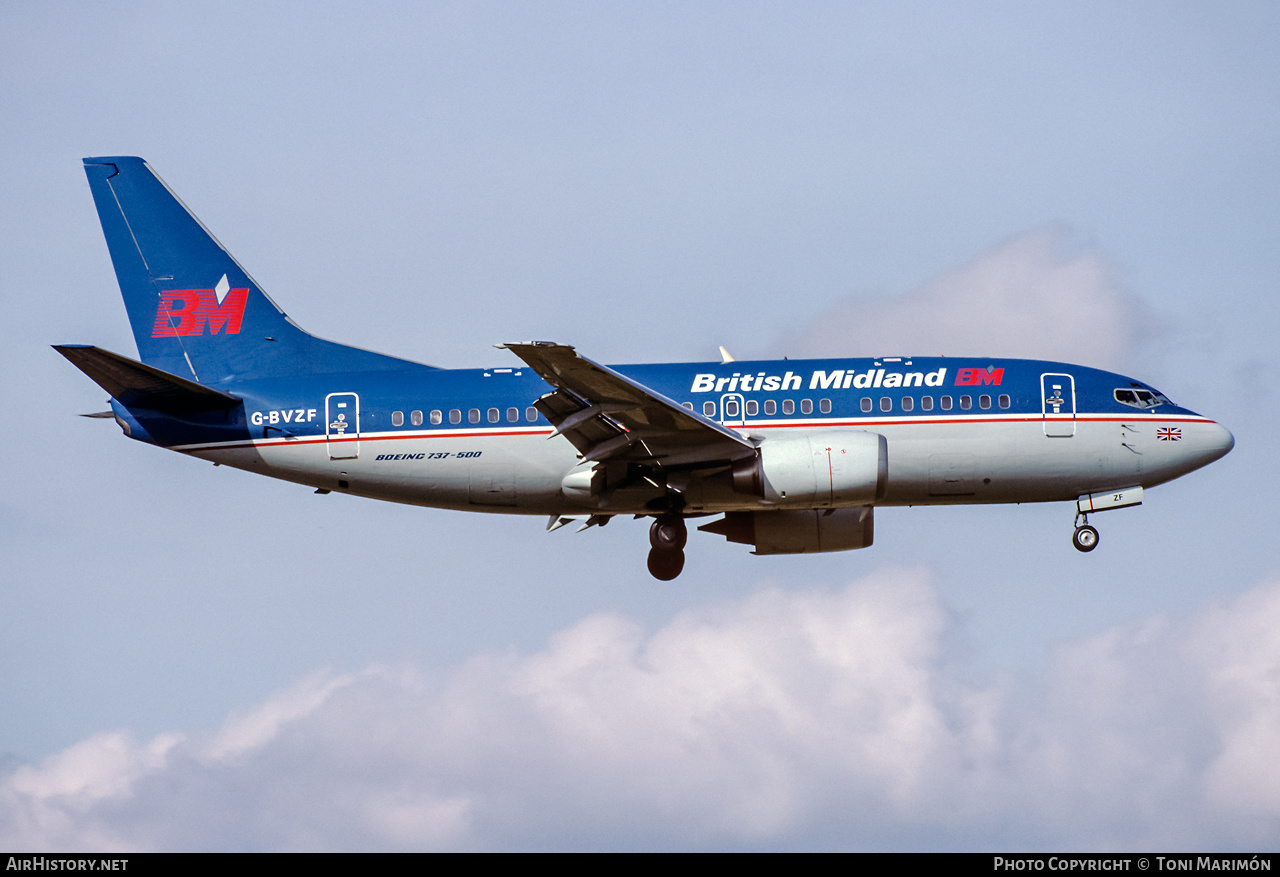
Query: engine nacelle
x=829 y=469
x=806 y=531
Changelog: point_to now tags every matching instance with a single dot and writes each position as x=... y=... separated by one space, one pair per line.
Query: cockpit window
x=1140 y=398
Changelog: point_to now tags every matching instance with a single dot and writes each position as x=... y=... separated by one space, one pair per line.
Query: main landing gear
x=1085 y=538
x=667 y=535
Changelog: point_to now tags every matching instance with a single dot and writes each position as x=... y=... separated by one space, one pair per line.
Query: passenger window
x=806 y=406
x=709 y=408
x=731 y=408
x=1004 y=401
x=788 y=406
x=397 y=418
x=824 y=406
x=946 y=403
x=926 y=403
x=494 y=415
x=886 y=404
x=416 y=418
x=531 y=414
x=984 y=402
x=513 y=415
x=753 y=407
x=908 y=403
x=437 y=417
x=966 y=402
x=455 y=416
x=867 y=404
x=473 y=415
x=688 y=405
x=770 y=406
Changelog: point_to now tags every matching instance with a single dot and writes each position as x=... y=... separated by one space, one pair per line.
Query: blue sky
x=197 y=658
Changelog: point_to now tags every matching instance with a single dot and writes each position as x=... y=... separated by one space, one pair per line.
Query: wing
x=609 y=417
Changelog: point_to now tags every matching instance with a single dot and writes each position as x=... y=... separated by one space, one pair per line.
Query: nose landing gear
x=1085 y=538
x=667 y=535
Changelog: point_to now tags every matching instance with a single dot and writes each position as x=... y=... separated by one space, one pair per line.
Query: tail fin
x=193 y=309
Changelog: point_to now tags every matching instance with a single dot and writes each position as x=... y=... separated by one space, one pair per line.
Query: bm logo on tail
x=188 y=311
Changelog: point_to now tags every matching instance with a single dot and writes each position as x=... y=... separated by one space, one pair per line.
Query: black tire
x=665 y=565
x=668 y=533
x=1085 y=538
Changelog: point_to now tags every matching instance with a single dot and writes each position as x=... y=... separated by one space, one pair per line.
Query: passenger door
x=1058 y=405
x=342 y=425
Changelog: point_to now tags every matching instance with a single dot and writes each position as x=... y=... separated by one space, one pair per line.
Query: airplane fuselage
x=984 y=431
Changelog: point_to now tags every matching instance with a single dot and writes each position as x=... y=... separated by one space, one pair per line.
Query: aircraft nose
x=1215 y=441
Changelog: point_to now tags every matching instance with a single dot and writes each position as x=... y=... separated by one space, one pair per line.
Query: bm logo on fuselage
x=188 y=311
x=978 y=376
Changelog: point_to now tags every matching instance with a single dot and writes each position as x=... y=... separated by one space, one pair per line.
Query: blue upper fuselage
x=845 y=391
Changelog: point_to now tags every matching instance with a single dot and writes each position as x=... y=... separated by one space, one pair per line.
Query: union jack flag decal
x=1169 y=434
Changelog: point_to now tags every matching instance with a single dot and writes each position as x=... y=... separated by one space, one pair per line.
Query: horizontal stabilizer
x=136 y=385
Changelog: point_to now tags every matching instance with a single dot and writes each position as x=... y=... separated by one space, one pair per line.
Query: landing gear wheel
x=665 y=565
x=668 y=533
x=1085 y=538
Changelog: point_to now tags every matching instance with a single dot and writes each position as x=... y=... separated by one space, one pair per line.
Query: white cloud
x=1036 y=296
x=247 y=731
x=1239 y=649
x=803 y=717
x=59 y=804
